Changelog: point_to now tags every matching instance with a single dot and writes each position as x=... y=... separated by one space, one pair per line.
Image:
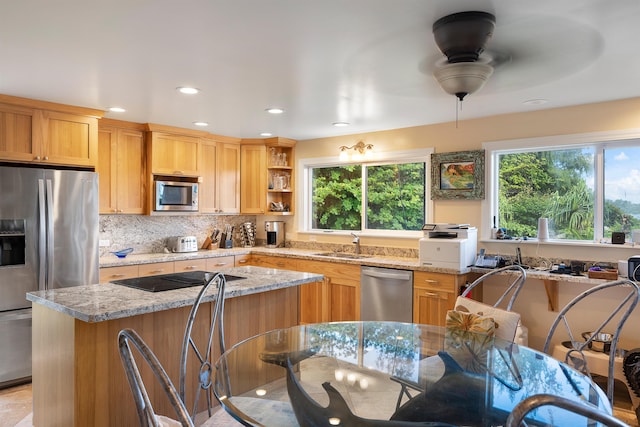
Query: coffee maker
x=275 y=233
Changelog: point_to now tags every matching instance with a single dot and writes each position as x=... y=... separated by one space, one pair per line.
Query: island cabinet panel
x=433 y=295
x=80 y=378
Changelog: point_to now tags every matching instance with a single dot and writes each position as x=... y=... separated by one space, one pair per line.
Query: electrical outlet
x=104 y=243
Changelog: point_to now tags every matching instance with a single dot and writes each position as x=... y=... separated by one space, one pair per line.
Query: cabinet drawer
x=274 y=262
x=220 y=263
x=190 y=265
x=241 y=260
x=156 y=268
x=434 y=281
x=108 y=274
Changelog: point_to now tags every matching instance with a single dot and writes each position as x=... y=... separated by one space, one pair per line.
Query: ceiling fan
x=462 y=38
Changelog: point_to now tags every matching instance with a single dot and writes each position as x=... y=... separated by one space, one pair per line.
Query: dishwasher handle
x=387 y=273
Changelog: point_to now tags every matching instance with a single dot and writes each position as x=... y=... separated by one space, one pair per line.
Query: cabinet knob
x=242 y=261
x=115 y=276
x=221 y=264
x=430 y=294
x=431 y=281
x=36 y=158
x=155 y=272
x=178 y=172
x=191 y=267
x=46 y=157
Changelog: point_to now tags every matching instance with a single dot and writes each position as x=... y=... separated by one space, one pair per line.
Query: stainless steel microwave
x=176 y=196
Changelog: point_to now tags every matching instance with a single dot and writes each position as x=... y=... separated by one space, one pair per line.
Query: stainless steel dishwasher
x=386 y=294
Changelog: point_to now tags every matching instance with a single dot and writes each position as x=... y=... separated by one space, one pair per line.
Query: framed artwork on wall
x=457 y=175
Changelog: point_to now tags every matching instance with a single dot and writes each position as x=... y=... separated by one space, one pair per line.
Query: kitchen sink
x=342 y=255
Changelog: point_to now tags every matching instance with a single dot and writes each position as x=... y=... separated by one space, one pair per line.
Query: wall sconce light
x=361 y=149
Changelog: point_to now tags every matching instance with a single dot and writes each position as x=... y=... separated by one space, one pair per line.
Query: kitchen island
x=78 y=378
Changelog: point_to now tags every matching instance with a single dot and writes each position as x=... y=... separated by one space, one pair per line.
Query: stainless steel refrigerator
x=48 y=240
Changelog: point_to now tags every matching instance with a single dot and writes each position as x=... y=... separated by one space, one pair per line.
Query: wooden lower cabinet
x=433 y=295
x=337 y=298
x=80 y=379
x=107 y=274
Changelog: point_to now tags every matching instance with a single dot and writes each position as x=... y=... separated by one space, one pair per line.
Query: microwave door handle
x=42 y=238
x=50 y=235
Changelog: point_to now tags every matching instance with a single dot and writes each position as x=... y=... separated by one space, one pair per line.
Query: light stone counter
x=98 y=303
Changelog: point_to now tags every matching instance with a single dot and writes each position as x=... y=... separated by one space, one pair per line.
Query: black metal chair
x=204 y=355
x=575 y=355
x=146 y=414
x=524 y=408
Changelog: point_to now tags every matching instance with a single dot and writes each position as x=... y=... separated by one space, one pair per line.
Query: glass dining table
x=391 y=374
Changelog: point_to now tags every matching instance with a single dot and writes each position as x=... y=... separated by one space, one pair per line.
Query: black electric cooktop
x=167 y=282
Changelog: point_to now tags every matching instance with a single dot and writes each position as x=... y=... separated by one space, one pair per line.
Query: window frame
x=379 y=158
x=599 y=141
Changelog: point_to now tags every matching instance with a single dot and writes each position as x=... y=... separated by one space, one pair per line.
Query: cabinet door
x=207 y=189
x=16 y=139
x=430 y=307
x=228 y=175
x=174 y=154
x=108 y=274
x=341 y=291
x=312 y=308
x=121 y=167
x=433 y=295
x=253 y=177
x=69 y=139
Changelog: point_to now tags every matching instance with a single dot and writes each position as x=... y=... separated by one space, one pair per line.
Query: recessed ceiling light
x=117 y=109
x=535 y=102
x=266 y=134
x=188 y=90
x=340 y=124
x=274 y=110
x=201 y=123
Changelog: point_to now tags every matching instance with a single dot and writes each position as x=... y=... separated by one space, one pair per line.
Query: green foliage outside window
x=395 y=197
x=556 y=185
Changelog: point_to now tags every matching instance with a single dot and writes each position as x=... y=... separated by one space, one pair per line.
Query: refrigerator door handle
x=42 y=239
x=50 y=235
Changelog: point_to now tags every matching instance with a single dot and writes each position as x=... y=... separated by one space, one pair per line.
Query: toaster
x=182 y=244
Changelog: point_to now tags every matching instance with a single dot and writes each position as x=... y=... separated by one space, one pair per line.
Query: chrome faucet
x=356 y=241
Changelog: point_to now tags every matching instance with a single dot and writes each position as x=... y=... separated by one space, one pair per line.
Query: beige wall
x=470 y=135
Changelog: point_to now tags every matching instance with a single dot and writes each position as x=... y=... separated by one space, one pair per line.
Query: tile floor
x=15 y=408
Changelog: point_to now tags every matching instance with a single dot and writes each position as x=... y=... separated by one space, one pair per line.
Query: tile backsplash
x=148 y=234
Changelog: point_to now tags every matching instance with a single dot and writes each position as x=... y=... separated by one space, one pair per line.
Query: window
x=382 y=196
x=588 y=190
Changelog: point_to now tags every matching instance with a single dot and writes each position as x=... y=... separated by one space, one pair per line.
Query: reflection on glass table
x=352 y=373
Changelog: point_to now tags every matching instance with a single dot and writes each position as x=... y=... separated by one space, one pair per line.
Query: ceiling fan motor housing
x=462 y=36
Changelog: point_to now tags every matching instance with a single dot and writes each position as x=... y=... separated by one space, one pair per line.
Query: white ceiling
x=366 y=62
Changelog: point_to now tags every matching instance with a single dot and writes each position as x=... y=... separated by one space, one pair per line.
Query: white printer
x=448 y=246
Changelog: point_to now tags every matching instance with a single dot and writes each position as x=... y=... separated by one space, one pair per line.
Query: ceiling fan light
x=462 y=78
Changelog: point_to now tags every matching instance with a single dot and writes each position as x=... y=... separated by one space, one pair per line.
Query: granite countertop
x=98 y=303
x=404 y=263
x=374 y=260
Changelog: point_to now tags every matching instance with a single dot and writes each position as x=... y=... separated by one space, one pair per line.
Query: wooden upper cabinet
x=220 y=177
x=122 y=165
x=16 y=142
x=171 y=154
x=253 y=179
x=69 y=139
x=34 y=131
x=207 y=194
x=228 y=178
